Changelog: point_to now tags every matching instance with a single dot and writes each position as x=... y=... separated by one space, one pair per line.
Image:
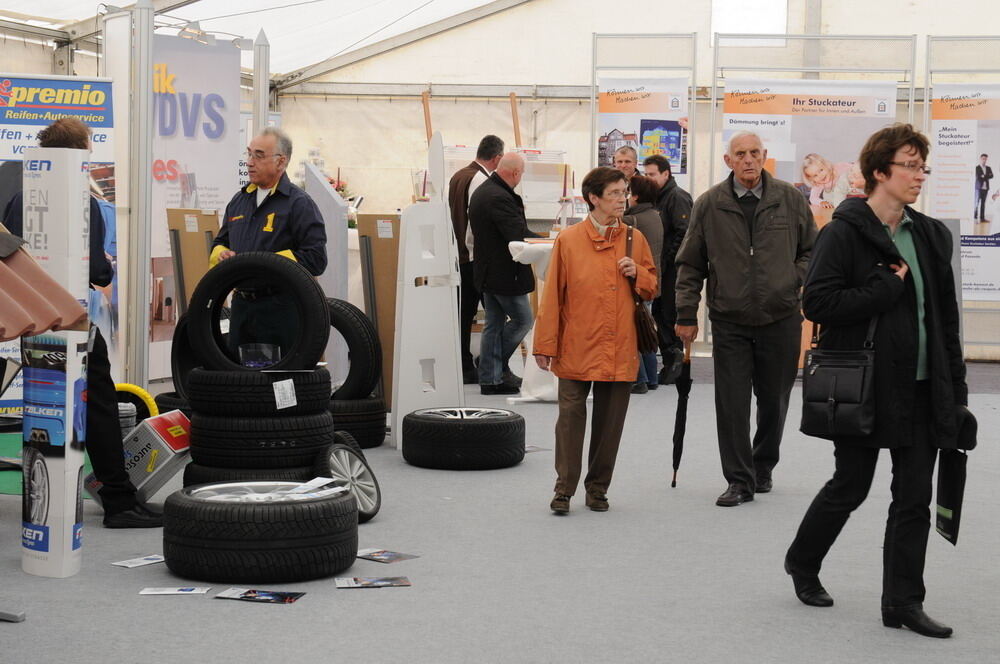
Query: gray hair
x=284 y=143
x=628 y=148
x=743 y=134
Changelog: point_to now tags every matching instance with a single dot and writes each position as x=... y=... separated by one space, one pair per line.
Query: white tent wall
x=24 y=56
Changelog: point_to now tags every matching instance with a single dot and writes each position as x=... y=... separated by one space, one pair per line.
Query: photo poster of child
x=649 y=115
x=813 y=131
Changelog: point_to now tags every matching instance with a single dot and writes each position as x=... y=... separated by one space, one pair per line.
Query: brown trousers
x=607 y=422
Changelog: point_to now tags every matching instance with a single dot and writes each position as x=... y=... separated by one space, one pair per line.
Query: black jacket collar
x=284 y=186
x=499 y=180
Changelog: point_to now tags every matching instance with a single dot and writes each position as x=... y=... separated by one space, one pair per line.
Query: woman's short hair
x=881 y=148
x=65 y=133
x=597 y=180
x=643 y=188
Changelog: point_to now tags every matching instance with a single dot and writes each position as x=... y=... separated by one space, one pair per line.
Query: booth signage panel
x=56 y=227
x=965 y=187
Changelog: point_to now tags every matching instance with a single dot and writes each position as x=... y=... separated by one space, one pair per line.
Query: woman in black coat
x=879 y=257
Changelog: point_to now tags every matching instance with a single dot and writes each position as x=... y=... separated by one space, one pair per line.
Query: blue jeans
x=500 y=335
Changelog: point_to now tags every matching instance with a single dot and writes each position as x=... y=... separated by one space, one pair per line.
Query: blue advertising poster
x=28 y=104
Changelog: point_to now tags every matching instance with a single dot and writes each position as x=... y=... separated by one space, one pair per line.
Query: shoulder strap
x=869 y=336
x=628 y=252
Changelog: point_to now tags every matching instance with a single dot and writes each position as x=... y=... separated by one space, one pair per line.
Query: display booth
x=962 y=121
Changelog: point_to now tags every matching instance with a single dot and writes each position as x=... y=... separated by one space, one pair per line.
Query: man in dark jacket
x=882 y=258
x=750 y=236
x=104 y=439
x=984 y=174
x=496 y=214
x=674 y=206
x=465 y=181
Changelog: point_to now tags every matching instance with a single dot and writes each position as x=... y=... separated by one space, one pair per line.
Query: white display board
x=427 y=365
x=56 y=229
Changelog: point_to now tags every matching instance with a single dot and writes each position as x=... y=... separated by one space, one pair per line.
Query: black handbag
x=647 y=340
x=838 y=392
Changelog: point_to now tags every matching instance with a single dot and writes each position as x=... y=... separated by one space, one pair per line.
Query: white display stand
x=334 y=279
x=56 y=229
x=427 y=365
x=537 y=385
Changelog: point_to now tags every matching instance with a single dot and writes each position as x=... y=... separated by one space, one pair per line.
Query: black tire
x=209 y=297
x=349 y=469
x=197 y=474
x=169 y=401
x=364 y=419
x=463 y=438
x=259 y=442
x=183 y=357
x=79 y=496
x=252 y=392
x=364 y=350
x=258 y=542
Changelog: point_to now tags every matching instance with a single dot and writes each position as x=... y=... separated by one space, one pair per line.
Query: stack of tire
x=243 y=515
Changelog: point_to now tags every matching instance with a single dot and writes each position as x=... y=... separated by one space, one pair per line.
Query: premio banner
x=649 y=115
x=28 y=104
x=196 y=148
x=965 y=149
x=812 y=131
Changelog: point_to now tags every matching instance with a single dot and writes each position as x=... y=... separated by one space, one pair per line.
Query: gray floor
x=664 y=576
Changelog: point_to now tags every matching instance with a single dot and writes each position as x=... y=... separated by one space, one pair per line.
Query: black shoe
x=918 y=621
x=502 y=388
x=652 y=386
x=735 y=495
x=509 y=378
x=139 y=516
x=764 y=485
x=639 y=388
x=809 y=590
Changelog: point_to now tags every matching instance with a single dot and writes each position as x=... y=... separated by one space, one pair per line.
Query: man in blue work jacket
x=269 y=214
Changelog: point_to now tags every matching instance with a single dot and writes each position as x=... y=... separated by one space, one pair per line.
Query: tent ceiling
x=301 y=32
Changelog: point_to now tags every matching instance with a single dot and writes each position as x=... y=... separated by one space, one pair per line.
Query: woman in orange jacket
x=585 y=334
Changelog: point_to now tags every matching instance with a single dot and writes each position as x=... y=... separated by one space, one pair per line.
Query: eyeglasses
x=913 y=166
x=617 y=194
x=259 y=154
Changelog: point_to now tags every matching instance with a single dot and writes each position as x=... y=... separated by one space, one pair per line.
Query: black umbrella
x=680 y=421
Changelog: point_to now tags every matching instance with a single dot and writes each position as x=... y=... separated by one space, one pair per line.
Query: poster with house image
x=648 y=115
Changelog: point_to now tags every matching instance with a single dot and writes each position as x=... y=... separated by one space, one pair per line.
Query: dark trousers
x=908 y=525
x=981 y=203
x=468 y=305
x=763 y=359
x=608 y=420
x=104 y=434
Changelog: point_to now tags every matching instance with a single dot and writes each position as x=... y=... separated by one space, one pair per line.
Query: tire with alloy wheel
x=206 y=333
x=35 y=494
x=463 y=438
x=258 y=532
x=349 y=469
x=259 y=442
x=197 y=474
x=252 y=392
x=364 y=419
x=364 y=350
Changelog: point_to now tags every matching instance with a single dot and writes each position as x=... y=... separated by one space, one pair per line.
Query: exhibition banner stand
x=643 y=97
x=965 y=147
x=56 y=229
x=812 y=130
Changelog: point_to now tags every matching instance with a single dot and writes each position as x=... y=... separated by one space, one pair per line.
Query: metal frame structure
x=672 y=62
x=809 y=66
